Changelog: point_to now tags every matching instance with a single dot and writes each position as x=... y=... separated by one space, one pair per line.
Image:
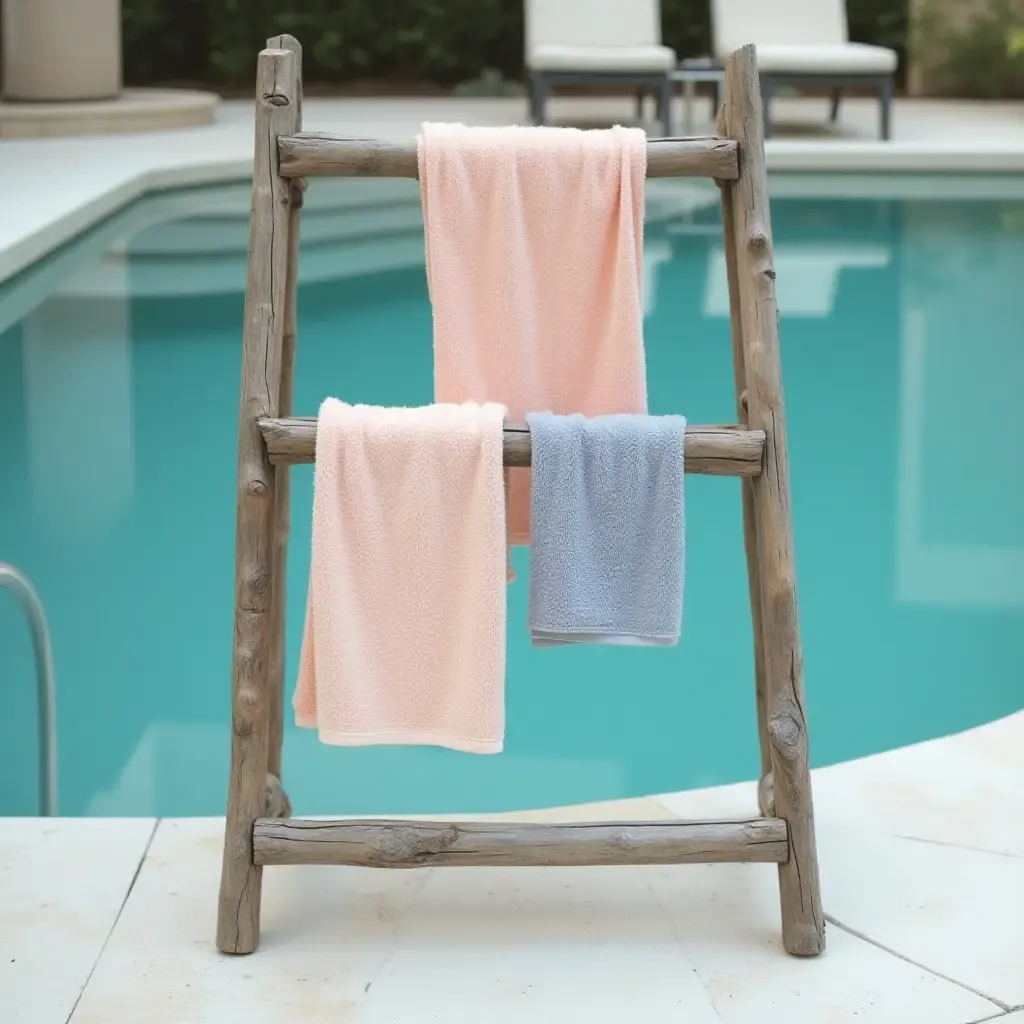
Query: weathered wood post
x=262 y=347
x=282 y=482
x=803 y=926
x=749 y=523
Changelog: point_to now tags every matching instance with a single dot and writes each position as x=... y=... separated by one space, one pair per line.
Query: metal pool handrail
x=25 y=594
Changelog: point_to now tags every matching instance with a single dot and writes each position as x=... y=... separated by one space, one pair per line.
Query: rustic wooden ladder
x=271 y=440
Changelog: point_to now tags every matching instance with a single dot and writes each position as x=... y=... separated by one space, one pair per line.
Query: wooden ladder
x=271 y=440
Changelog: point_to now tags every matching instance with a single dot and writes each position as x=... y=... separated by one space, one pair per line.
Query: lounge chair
x=803 y=42
x=613 y=41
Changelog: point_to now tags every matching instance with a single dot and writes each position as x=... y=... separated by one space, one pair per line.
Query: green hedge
x=982 y=58
x=440 y=41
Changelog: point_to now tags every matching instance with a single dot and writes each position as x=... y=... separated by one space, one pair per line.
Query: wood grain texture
x=749 y=521
x=262 y=342
x=282 y=474
x=803 y=926
x=710 y=450
x=413 y=844
x=319 y=153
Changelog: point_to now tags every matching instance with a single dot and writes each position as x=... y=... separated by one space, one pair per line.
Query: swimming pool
x=903 y=350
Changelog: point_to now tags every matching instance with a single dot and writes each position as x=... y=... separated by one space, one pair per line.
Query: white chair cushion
x=841 y=58
x=601 y=58
x=592 y=23
x=734 y=23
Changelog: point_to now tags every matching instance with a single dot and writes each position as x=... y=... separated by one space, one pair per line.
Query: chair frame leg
x=665 y=106
x=767 y=88
x=641 y=103
x=538 y=98
x=885 y=86
x=836 y=84
x=837 y=95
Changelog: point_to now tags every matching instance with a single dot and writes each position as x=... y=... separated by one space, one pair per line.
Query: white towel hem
x=560 y=637
x=466 y=744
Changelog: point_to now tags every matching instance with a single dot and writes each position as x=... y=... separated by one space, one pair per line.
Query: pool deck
x=57 y=187
x=922 y=862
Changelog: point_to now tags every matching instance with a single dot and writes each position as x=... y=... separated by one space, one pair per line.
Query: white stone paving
x=922 y=877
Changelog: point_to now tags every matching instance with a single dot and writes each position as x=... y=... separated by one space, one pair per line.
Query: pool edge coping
x=783 y=155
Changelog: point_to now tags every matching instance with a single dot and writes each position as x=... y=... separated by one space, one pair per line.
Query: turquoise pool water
x=903 y=348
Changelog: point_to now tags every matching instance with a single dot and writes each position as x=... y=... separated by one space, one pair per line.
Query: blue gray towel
x=606 y=506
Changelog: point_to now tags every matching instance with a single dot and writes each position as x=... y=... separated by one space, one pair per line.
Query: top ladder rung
x=320 y=153
x=712 y=451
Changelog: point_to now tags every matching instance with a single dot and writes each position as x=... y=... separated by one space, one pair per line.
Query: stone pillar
x=61 y=50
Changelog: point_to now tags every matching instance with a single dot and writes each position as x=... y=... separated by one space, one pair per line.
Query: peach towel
x=534 y=242
x=404 y=639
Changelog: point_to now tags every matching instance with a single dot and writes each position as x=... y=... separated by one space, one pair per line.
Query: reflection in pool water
x=901 y=330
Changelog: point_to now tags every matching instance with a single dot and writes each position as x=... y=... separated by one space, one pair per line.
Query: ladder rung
x=320 y=153
x=712 y=451
x=412 y=844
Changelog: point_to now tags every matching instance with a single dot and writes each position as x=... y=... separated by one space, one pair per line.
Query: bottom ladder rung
x=412 y=844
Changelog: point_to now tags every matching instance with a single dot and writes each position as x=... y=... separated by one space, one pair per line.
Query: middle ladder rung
x=714 y=451
x=413 y=844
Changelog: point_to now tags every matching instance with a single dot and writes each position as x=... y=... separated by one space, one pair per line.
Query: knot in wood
x=372 y=163
x=276 y=99
x=758 y=241
x=275 y=801
x=411 y=844
x=622 y=841
x=785 y=732
x=757 y=829
x=256 y=594
x=248 y=658
x=247 y=702
x=256 y=489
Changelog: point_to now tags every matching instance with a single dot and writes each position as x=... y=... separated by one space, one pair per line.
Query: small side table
x=687 y=74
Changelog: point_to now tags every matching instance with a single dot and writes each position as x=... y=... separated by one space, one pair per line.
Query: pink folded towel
x=405 y=619
x=534 y=265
